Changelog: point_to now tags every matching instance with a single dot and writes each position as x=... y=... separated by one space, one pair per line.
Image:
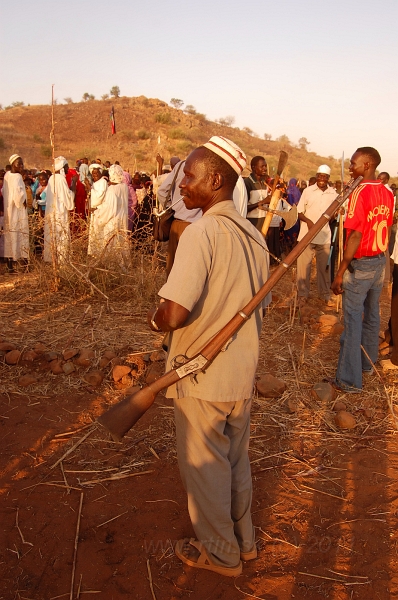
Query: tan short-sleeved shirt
x=211 y=278
x=313 y=203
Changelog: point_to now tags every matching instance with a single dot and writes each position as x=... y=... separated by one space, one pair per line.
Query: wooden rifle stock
x=119 y=419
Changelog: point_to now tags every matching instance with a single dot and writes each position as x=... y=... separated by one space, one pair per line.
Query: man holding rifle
x=219 y=264
x=361 y=272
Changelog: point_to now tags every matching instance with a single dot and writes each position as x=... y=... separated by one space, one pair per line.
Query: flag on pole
x=113 y=123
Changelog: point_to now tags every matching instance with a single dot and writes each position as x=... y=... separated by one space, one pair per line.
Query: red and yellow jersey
x=370 y=211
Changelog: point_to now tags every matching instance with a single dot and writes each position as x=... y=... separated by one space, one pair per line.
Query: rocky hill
x=84 y=129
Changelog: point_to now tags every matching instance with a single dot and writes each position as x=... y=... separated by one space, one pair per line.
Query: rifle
x=122 y=416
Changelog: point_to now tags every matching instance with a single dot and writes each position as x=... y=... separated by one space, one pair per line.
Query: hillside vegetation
x=84 y=129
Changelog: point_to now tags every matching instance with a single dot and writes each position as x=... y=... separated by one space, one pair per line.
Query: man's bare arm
x=168 y=316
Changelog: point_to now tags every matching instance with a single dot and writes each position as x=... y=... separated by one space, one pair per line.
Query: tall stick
x=51 y=223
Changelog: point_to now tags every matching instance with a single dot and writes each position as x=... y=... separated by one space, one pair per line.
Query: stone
x=70 y=353
x=337 y=329
x=110 y=354
x=27 y=380
x=323 y=392
x=30 y=355
x=56 y=367
x=345 y=420
x=120 y=371
x=314 y=326
x=328 y=320
x=7 y=347
x=157 y=356
x=68 y=368
x=291 y=406
x=339 y=405
x=104 y=362
x=126 y=380
x=94 y=378
x=116 y=361
x=50 y=356
x=12 y=357
x=269 y=386
x=85 y=357
x=40 y=348
x=367 y=413
x=155 y=370
x=385 y=351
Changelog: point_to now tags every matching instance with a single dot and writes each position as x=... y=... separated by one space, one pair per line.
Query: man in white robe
x=112 y=215
x=59 y=202
x=97 y=193
x=16 y=226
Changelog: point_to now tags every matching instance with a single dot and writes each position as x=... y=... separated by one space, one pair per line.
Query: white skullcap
x=59 y=163
x=116 y=174
x=324 y=169
x=13 y=158
x=95 y=166
x=229 y=151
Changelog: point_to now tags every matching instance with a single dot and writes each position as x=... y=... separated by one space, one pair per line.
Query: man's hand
x=159 y=159
x=337 y=285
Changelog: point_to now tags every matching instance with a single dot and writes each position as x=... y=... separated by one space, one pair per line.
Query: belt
x=367 y=257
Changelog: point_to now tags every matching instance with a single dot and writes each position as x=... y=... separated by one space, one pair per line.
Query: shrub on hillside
x=164 y=118
x=143 y=134
x=177 y=134
x=46 y=151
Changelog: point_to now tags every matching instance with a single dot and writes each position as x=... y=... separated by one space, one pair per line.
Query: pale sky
x=323 y=69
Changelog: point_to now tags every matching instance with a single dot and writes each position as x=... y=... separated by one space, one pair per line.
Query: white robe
x=112 y=220
x=95 y=237
x=16 y=225
x=59 y=202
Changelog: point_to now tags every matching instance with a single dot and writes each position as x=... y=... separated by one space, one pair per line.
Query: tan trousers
x=304 y=261
x=212 y=450
x=177 y=227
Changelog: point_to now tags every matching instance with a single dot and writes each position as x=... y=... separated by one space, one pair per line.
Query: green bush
x=142 y=134
x=164 y=118
x=46 y=151
x=38 y=139
x=2 y=144
x=177 y=134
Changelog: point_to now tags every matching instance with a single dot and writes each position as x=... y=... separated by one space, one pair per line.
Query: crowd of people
x=40 y=211
x=217 y=260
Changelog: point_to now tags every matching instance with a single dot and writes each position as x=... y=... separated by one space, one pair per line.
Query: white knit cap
x=229 y=151
x=59 y=163
x=13 y=158
x=324 y=169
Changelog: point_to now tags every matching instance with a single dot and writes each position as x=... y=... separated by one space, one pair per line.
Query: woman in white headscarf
x=112 y=215
x=96 y=193
x=59 y=201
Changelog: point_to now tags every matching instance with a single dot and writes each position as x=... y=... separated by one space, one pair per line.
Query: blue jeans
x=362 y=289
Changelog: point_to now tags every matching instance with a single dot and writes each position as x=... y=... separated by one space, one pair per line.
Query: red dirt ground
x=329 y=533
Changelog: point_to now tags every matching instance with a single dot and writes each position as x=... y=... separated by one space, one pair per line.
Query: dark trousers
x=273 y=243
x=393 y=323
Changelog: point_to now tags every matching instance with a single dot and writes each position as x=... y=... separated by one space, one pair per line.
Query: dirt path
x=325 y=501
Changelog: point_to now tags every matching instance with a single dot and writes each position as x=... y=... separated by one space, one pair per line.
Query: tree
x=303 y=143
x=115 y=91
x=248 y=130
x=267 y=136
x=104 y=96
x=227 y=121
x=68 y=100
x=87 y=97
x=190 y=110
x=284 y=141
x=176 y=102
x=17 y=104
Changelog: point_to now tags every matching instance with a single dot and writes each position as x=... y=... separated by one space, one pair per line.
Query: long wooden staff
x=275 y=194
x=340 y=238
x=122 y=416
